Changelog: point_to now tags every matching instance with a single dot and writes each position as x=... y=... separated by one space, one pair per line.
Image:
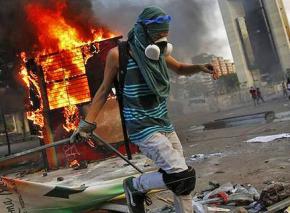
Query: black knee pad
x=182 y=183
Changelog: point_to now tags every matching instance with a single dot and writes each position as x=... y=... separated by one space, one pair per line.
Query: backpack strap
x=119 y=85
x=123 y=62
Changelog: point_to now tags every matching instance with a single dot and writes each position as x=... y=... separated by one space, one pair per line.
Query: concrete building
x=232 y=10
x=280 y=30
x=224 y=66
x=258 y=34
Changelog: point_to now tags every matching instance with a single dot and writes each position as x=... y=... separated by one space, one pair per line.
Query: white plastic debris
x=205 y=156
x=198 y=207
x=268 y=138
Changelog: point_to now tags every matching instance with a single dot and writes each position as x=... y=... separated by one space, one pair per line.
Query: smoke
x=17 y=32
x=196 y=27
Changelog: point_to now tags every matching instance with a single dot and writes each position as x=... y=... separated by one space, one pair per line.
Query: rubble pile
x=238 y=198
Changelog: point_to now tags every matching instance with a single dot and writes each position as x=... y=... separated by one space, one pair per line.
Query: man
x=253 y=93
x=284 y=88
x=288 y=86
x=259 y=95
x=145 y=94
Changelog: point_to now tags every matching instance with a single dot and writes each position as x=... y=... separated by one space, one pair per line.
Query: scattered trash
x=198 y=207
x=217 y=209
x=253 y=191
x=198 y=157
x=242 y=198
x=227 y=187
x=165 y=209
x=219 y=172
x=279 y=206
x=240 y=210
x=274 y=193
x=236 y=198
x=59 y=178
x=196 y=129
x=287 y=210
x=148 y=163
x=268 y=138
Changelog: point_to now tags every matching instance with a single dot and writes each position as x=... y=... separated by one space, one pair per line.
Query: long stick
x=94 y=137
x=37 y=149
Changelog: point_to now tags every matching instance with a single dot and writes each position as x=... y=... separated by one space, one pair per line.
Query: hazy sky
x=197 y=25
x=287 y=5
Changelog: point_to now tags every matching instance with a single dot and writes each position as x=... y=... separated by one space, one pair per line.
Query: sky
x=197 y=25
x=287 y=6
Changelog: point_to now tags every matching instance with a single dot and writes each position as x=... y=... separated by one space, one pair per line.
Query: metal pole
x=37 y=149
x=5 y=129
x=95 y=137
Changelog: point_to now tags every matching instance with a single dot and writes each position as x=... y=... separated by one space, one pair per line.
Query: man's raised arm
x=189 y=69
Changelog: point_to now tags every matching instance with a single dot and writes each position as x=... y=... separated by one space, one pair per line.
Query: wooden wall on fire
x=71 y=78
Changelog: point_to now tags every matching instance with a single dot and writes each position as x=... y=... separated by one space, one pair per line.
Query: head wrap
x=155 y=73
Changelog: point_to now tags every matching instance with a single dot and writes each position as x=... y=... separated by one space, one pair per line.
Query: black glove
x=83 y=132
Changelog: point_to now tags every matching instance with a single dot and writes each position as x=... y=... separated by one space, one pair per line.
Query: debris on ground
x=242 y=198
x=199 y=157
x=268 y=138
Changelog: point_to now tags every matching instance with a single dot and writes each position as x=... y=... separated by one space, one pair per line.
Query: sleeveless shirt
x=144 y=112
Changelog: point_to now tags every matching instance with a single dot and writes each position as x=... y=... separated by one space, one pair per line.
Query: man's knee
x=182 y=183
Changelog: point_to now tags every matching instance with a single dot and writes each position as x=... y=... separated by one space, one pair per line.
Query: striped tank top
x=144 y=112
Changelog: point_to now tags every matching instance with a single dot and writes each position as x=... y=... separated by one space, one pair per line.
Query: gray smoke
x=17 y=33
x=196 y=26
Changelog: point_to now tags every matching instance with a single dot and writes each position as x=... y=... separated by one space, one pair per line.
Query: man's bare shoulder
x=113 y=57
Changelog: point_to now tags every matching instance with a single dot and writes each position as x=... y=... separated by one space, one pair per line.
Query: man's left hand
x=83 y=132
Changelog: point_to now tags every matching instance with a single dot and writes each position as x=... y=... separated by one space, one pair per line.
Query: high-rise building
x=258 y=33
x=224 y=66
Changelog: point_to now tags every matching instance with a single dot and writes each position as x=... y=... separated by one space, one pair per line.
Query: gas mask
x=159 y=47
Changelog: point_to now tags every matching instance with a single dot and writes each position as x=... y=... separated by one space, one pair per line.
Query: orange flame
x=56 y=33
x=71 y=114
x=31 y=79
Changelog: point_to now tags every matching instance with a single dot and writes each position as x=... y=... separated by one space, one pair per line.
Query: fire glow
x=55 y=32
x=71 y=114
x=61 y=61
x=31 y=79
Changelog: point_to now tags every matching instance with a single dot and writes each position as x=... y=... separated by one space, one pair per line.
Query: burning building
x=61 y=72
